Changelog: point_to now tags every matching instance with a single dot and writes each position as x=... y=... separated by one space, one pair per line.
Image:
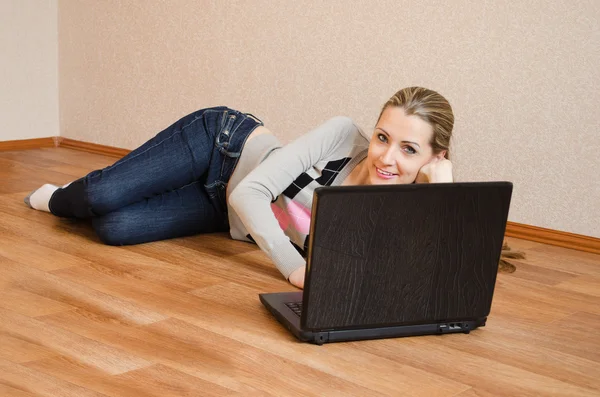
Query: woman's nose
x=388 y=156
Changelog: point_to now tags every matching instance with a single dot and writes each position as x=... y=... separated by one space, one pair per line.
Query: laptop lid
x=403 y=254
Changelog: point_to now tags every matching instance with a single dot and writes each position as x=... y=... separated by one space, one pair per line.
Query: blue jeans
x=173 y=185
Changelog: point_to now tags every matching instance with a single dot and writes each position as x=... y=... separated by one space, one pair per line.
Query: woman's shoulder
x=343 y=122
x=336 y=133
x=343 y=127
x=345 y=137
x=349 y=130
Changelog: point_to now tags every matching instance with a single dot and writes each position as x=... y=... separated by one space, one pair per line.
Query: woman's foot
x=40 y=198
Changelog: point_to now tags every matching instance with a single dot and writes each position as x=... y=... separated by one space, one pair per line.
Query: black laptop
x=398 y=260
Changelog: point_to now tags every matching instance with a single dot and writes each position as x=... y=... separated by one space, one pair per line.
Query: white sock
x=40 y=198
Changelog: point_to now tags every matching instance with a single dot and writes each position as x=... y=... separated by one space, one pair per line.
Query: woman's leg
x=181 y=212
x=174 y=158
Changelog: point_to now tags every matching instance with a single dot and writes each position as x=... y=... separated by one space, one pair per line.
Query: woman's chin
x=375 y=180
x=396 y=180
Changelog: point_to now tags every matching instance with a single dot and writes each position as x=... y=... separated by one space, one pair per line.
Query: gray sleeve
x=252 y=198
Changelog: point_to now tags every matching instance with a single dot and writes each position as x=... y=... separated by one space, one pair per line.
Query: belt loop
x=255 y=118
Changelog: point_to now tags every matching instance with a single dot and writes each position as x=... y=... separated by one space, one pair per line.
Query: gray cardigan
x=271 y=191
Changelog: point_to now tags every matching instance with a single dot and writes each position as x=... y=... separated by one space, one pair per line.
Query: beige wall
x=523 y=77
x=28 y=69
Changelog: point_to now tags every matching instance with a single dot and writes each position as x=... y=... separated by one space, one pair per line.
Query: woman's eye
x=410 y=150
x=382 y=138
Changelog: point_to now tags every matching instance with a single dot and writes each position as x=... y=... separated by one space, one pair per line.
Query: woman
x=219 y=169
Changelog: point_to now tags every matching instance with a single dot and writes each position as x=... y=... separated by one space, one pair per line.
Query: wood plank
x=587 y=285
x=7 y=391
x=73 y=295
x=576 y=339
x=475 y=392
x=166 y=381
x=540 y=274
x=189 y=349
x=19 y=377
x=513 y=289
x=156 y=380
x=21 y=351
x=87 y=377
x=263 y=370
x=72 y=236
x=205 y=363
x=29 y=304
x=479 y=372
x=524 y=308
x=28 y=253
x=518 y=350
x=217 y=255
x=86 y=350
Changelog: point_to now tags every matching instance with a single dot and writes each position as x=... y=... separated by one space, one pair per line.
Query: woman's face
x=399 y=147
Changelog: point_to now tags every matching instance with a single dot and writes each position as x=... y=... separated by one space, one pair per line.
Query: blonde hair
x=430 y=107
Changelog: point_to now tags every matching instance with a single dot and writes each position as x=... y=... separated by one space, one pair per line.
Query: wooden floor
x=182 y=317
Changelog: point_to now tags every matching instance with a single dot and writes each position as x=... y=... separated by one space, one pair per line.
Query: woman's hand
x=436 y=171
x=297 y=277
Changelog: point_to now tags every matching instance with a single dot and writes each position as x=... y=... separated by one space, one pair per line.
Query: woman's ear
x=441 y=155
x=437 y=157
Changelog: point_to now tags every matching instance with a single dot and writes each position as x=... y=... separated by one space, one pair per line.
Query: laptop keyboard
x=295 y=306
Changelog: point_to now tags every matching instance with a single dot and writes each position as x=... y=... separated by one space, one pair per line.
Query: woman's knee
x=113 y=229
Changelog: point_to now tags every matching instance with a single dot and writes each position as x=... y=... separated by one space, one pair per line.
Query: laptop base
x=276 y=304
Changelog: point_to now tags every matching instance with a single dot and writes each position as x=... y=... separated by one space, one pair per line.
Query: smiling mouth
x=384 y=174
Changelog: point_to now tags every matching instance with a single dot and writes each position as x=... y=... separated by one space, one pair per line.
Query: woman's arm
x=252 y=198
